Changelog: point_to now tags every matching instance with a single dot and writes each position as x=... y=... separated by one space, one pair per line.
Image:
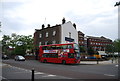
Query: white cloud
x=23 y=16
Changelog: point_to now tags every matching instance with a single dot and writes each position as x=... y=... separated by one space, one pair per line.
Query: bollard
x=112 y=60
x=32 y=78
x=97 y=61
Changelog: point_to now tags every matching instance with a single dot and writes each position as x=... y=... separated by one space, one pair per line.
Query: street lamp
x=117 y=4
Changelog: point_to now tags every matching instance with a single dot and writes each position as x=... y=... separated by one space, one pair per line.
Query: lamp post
x=113 y=54
x=117 y=4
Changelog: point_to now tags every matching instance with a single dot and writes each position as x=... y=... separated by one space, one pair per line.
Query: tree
x=5 y=43
x=117 y=45
x=82 y=49
x=90 y=51
x=24 y=43
x=109 y=49
x=20 y=50
x=19 y=43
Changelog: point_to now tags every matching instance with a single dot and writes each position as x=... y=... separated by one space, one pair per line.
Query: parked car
x=19 y=58
x=104 y=57
x=4 y=57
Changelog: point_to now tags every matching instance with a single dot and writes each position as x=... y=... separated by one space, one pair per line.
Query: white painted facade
x=66 y=29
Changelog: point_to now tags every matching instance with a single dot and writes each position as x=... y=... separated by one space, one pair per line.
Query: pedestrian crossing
x=37 y=74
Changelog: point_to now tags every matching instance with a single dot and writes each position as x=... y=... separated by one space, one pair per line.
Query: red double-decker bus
x=60 y=53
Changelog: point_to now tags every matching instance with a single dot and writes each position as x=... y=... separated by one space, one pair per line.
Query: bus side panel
x=72 y=61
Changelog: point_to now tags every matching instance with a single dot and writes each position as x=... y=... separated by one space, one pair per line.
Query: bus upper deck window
x=69 y=46
x=58 y=47
x=53 y=47
x=44 y=48
x=64 y=46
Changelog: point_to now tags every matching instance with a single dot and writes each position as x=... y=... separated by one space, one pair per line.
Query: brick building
x=48 y=35
x=65 y=33
x=98 y=43
x=81 y=39
x=62 y=33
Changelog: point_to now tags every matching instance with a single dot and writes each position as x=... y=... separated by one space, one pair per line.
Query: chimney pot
x=48 y=25
x=63 y=20
x=74 y=25
x=43 y=26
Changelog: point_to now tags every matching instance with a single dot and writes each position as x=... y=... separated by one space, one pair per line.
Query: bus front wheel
x=63 y=62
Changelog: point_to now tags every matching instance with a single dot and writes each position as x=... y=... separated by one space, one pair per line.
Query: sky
x=92 y=17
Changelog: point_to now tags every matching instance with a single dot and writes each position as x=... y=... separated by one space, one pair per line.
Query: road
x=14 y=69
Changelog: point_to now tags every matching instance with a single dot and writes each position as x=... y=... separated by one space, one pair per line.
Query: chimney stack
x=74 y=25
x=63 y=20
x=48 y=25
x=43 y=26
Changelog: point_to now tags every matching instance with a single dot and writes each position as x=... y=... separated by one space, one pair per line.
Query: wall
x=65 y=29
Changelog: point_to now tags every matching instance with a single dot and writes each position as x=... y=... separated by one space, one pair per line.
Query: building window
x=46 y=42
x=40 y=43
x=46 y=34
x=40 y=35
x=69 y=34
x=54 y=33
x=54 y=42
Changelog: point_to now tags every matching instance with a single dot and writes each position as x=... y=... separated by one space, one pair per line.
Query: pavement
x=100 y=62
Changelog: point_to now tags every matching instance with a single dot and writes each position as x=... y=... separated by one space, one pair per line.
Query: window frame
x=40 y=35
x=54 y=33
x=47 y=34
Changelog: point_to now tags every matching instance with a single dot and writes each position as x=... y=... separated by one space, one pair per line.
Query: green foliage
x=109 y=49
x=5 y=43
x=82 y=49
x=113 y=48
x=117 y=45
x=19 y=43
x=90 y=51
x=19 y=50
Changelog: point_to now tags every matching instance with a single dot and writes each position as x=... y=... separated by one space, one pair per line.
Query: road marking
x=19 y=72
x=116 y=65
x=109 y=75
x=73 y=66
x=36 y=72
x=3 y=65
x=39 y=73
x=4 y=78
x=20 y=68
x=49 y=76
